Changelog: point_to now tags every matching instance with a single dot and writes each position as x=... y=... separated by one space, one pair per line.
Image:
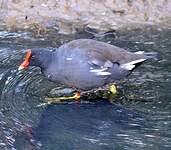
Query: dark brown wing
x=104 y=51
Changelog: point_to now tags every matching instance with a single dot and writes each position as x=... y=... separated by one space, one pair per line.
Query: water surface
x=139 y=119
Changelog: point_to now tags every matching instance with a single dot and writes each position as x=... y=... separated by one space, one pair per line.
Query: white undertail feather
x=131 y=65
x=139 y=52
x=101 y=72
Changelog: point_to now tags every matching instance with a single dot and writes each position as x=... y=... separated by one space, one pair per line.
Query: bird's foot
x=113 y=89
x=112 y=92
x=54 y=100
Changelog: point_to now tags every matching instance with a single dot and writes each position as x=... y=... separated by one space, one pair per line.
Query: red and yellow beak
x=26 y=61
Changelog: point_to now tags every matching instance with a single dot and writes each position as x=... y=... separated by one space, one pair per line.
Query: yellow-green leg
x=51 y=100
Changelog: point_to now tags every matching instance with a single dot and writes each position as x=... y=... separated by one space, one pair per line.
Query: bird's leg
x=76 y=96
x=52 y=100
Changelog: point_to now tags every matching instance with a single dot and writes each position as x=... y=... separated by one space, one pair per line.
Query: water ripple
x=144 y=124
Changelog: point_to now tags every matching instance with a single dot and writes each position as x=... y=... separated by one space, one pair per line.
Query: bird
x=85 y=64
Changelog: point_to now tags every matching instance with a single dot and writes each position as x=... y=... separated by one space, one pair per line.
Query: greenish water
x=140 y=118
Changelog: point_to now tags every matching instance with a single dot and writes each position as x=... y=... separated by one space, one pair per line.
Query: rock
x=92 y=95
x=69 y=15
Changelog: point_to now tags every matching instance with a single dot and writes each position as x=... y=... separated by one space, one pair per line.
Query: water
x=139 y=119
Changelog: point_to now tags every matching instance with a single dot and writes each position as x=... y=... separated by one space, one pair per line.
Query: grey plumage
x=86 y=64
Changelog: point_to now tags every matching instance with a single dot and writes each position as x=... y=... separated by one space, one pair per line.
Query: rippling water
x=140 y=118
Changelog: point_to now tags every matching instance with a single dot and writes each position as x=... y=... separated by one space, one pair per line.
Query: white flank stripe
x=69 y=58
x=103 y=73
x=98 y=70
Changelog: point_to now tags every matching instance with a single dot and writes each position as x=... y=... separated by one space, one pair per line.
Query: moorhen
x=85 y=64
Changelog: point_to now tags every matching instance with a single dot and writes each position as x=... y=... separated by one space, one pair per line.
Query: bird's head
x=36 y=57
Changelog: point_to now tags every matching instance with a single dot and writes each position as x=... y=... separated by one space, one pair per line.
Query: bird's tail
x=148 y=55
x=151 y=55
